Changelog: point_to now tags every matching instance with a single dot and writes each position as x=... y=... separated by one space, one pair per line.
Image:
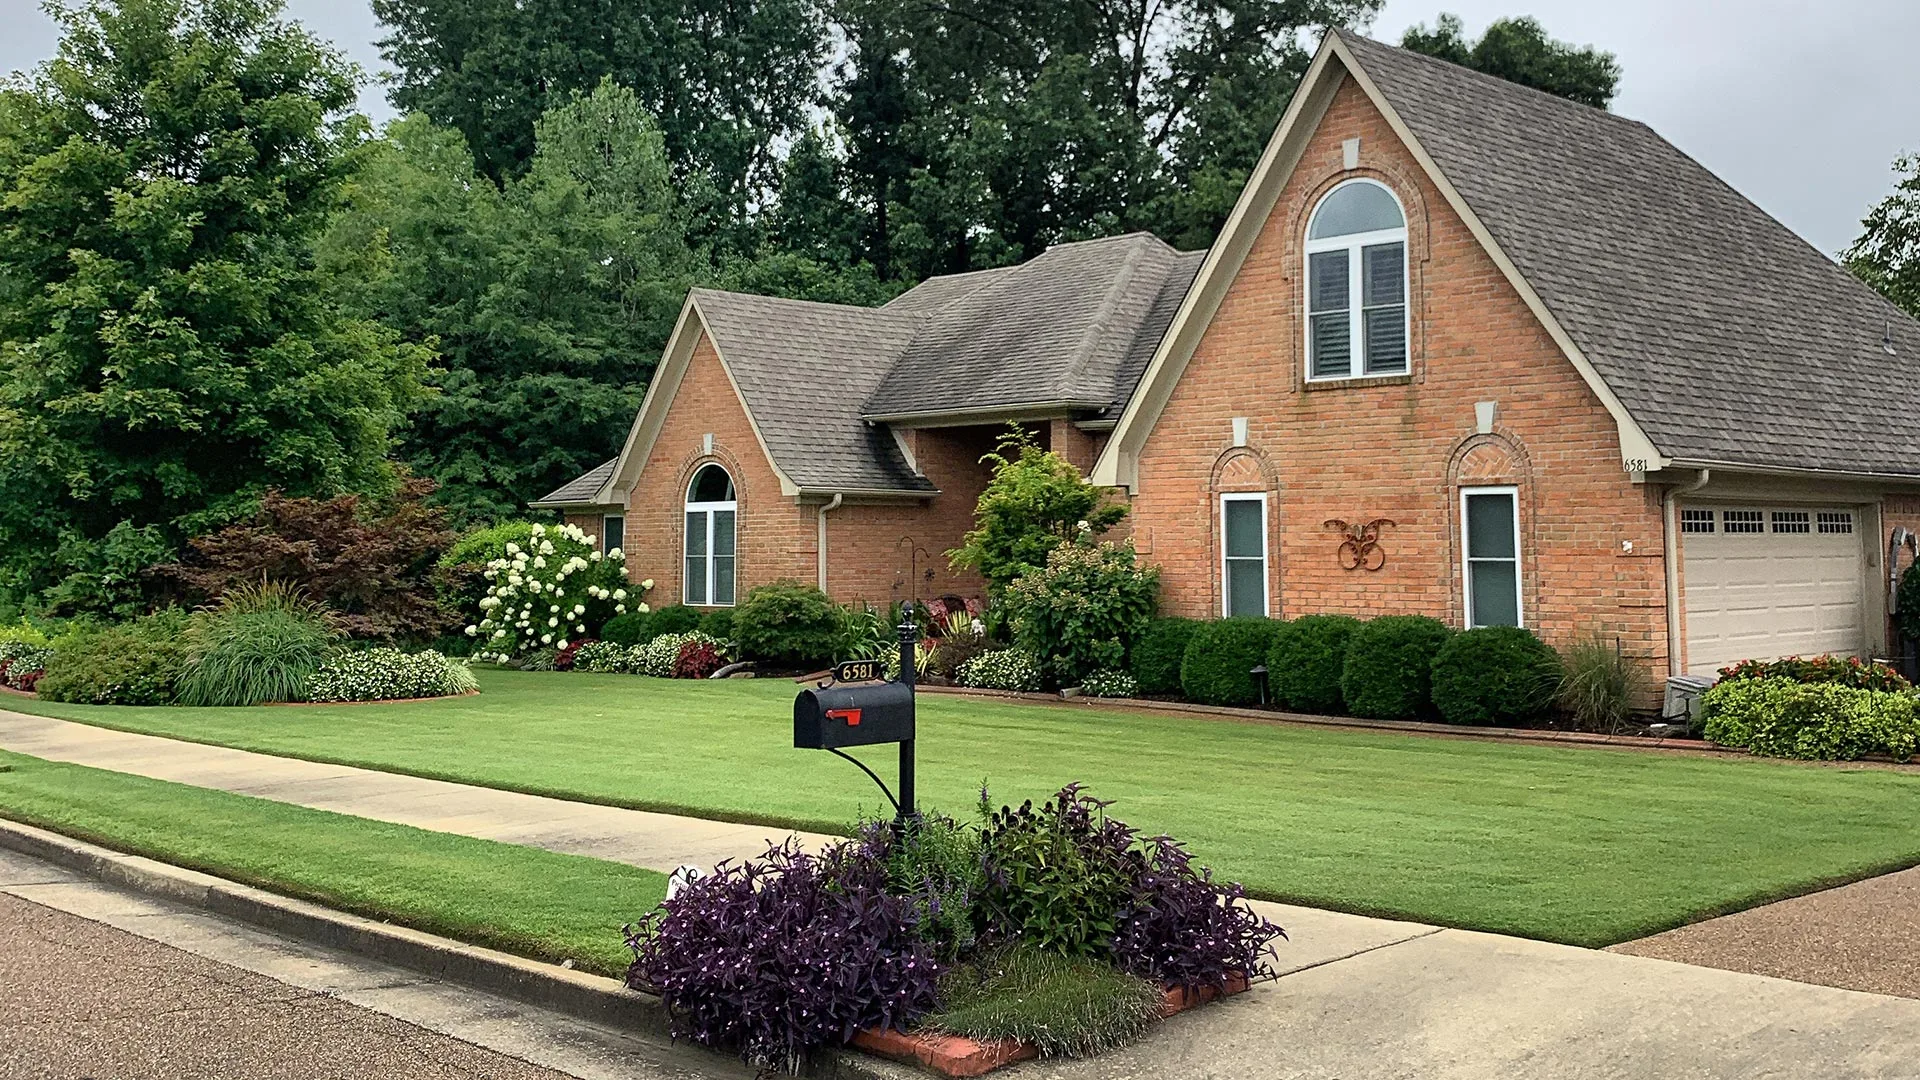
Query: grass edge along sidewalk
x=1583 y=846
x=533 y=903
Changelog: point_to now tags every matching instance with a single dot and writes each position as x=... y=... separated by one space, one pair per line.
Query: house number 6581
x=1635 y=464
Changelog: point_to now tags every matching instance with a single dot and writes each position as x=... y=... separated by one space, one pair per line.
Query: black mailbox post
x=842 y=713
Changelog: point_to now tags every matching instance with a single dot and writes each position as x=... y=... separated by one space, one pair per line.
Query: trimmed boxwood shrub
x=629 y=629
x=1158 y=653
x=1220 y=658
x=1305 y=662
x=672 y=619
x=787 y=624
x=1494 y=675
x=718 y=623
x=1389 y=669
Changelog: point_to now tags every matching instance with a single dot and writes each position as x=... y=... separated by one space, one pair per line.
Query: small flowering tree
x=550 y=592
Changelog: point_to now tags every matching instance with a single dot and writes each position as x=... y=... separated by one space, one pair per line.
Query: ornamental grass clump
x=555 y=590
x=1066 y=1006
x=260 y=643
x=1601 y=686
x=781 y=955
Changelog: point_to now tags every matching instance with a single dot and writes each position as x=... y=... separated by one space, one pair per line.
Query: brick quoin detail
x=1399 y=447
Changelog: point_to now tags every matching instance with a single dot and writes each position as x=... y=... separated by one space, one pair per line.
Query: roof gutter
x=1787 y=470
x=866 y=493
x=820 y=549
x=1038 y=410
x=1670 y=523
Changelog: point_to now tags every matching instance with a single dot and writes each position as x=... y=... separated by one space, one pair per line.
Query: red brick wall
x=776 y=538
x=1398 y=448
x=867 y=557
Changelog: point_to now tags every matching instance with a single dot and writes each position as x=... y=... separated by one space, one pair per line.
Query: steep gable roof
x=1712 y=333
x=1729 y=339
x=1061 y=331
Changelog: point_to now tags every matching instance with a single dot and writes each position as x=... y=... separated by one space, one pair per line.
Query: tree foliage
x=548 y=298
x=167 y=351
x=372 y=565
x=1036 y=501
x=1887 y=254
x=1519 y=50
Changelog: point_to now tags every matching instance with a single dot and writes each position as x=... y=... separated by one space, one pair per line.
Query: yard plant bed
x=523 y=900
x=1587 y=846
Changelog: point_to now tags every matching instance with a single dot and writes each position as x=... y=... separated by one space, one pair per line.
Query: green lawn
x=1588 y=846
x=520 y=899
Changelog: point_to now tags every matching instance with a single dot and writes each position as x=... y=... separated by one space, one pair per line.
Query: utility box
x=1683 y=698
x=855 y=714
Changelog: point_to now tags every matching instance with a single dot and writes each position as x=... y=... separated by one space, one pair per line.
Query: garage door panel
x=1776 y=592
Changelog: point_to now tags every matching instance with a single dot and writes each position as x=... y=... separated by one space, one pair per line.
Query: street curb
x=592 y=998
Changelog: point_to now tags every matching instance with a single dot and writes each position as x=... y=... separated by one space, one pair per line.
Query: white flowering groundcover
x=388 y=675
x=549 y=593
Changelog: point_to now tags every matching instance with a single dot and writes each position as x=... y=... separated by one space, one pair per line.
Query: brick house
x=1462 y=349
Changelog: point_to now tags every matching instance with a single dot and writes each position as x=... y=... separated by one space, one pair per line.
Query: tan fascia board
x=660 y=394
x=572 y=504
x=1723 y=469
x=865 y=493
x=1041 y=410
x=1635 y=446
x=1117 y=464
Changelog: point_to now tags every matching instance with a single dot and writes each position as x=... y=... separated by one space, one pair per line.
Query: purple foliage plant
x=1181 y=928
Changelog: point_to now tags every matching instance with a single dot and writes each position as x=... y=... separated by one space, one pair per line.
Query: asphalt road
x=80 y=1000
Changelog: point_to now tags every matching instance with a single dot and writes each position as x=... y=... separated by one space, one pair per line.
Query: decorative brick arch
x=1493 y=459
x=1243 y=469
x=1408 y=188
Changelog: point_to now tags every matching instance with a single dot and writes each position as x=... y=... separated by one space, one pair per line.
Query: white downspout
x=1670 y=522
x=821 y=522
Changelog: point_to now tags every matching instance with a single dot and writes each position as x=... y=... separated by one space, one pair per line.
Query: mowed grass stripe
x=522 y=900
x=1588 y=846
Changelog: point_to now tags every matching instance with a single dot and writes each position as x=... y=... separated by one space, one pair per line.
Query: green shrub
x=1084 y=609
x=1601 y=686
x=672 y=619
x=603 y=657
x=1218 y=666
x=952 y=652
x=384 y=674
x=1389 y=669
x=935 y=864
x=1906 y=601
x=1779 y=717
x=1002 y=669
x=261 y=643
x=1036 y=500
x=1158 y=652
x=627 y=629
x=1305 y=661
x=661 y=656
x=787 y=624
x=718 y=623
x=1064 y=1005
x=136 y=663
x=1494 y=675
x=1115 y=684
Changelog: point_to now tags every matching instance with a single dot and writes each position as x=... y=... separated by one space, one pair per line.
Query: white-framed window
x=1356 y=277
x=712 y=522
x=1490 y=536
x=1243 y=554
x=613 y=533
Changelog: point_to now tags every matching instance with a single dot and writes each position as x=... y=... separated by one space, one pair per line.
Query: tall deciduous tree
x=729 y=82
x=548 y=298
x=1519 y=50
x=1887 y=254
x=167 y=350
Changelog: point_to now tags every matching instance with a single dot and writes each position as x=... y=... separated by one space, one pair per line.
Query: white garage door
x=1770 y=581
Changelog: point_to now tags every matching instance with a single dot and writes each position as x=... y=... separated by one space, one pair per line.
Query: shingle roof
x=1076 y=324
x=804 y=368
x=582 y=489
x=1726 y=337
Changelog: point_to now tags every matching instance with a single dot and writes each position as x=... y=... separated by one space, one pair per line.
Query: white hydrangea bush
x=385 y=674
x=553 y=591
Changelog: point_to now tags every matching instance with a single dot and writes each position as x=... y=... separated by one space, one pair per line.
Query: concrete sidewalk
x=1360 y=997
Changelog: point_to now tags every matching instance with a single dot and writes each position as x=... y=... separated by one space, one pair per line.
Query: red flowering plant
x=563 y=658
x=697 y=660
x=1844 y=670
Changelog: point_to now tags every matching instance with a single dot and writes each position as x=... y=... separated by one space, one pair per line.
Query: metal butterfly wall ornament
x=1361 y=548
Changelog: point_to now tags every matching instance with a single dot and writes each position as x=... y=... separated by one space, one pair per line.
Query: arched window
x=711 y=516
x=1357 y=284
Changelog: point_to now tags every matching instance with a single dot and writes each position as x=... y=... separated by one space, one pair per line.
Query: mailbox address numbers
x=858 y=671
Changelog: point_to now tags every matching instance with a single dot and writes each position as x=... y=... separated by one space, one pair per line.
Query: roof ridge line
x=1097 y=326
x=1423 y=58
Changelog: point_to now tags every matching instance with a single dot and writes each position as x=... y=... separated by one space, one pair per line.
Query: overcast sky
x=1800 y=105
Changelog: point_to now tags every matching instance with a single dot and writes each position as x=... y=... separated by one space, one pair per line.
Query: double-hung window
x=1243 y=554
x=613 y=528
x=1490 y=527
x=712 y=514
x=1357 y=284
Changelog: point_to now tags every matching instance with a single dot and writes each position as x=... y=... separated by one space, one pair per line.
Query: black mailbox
x=855 y=714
